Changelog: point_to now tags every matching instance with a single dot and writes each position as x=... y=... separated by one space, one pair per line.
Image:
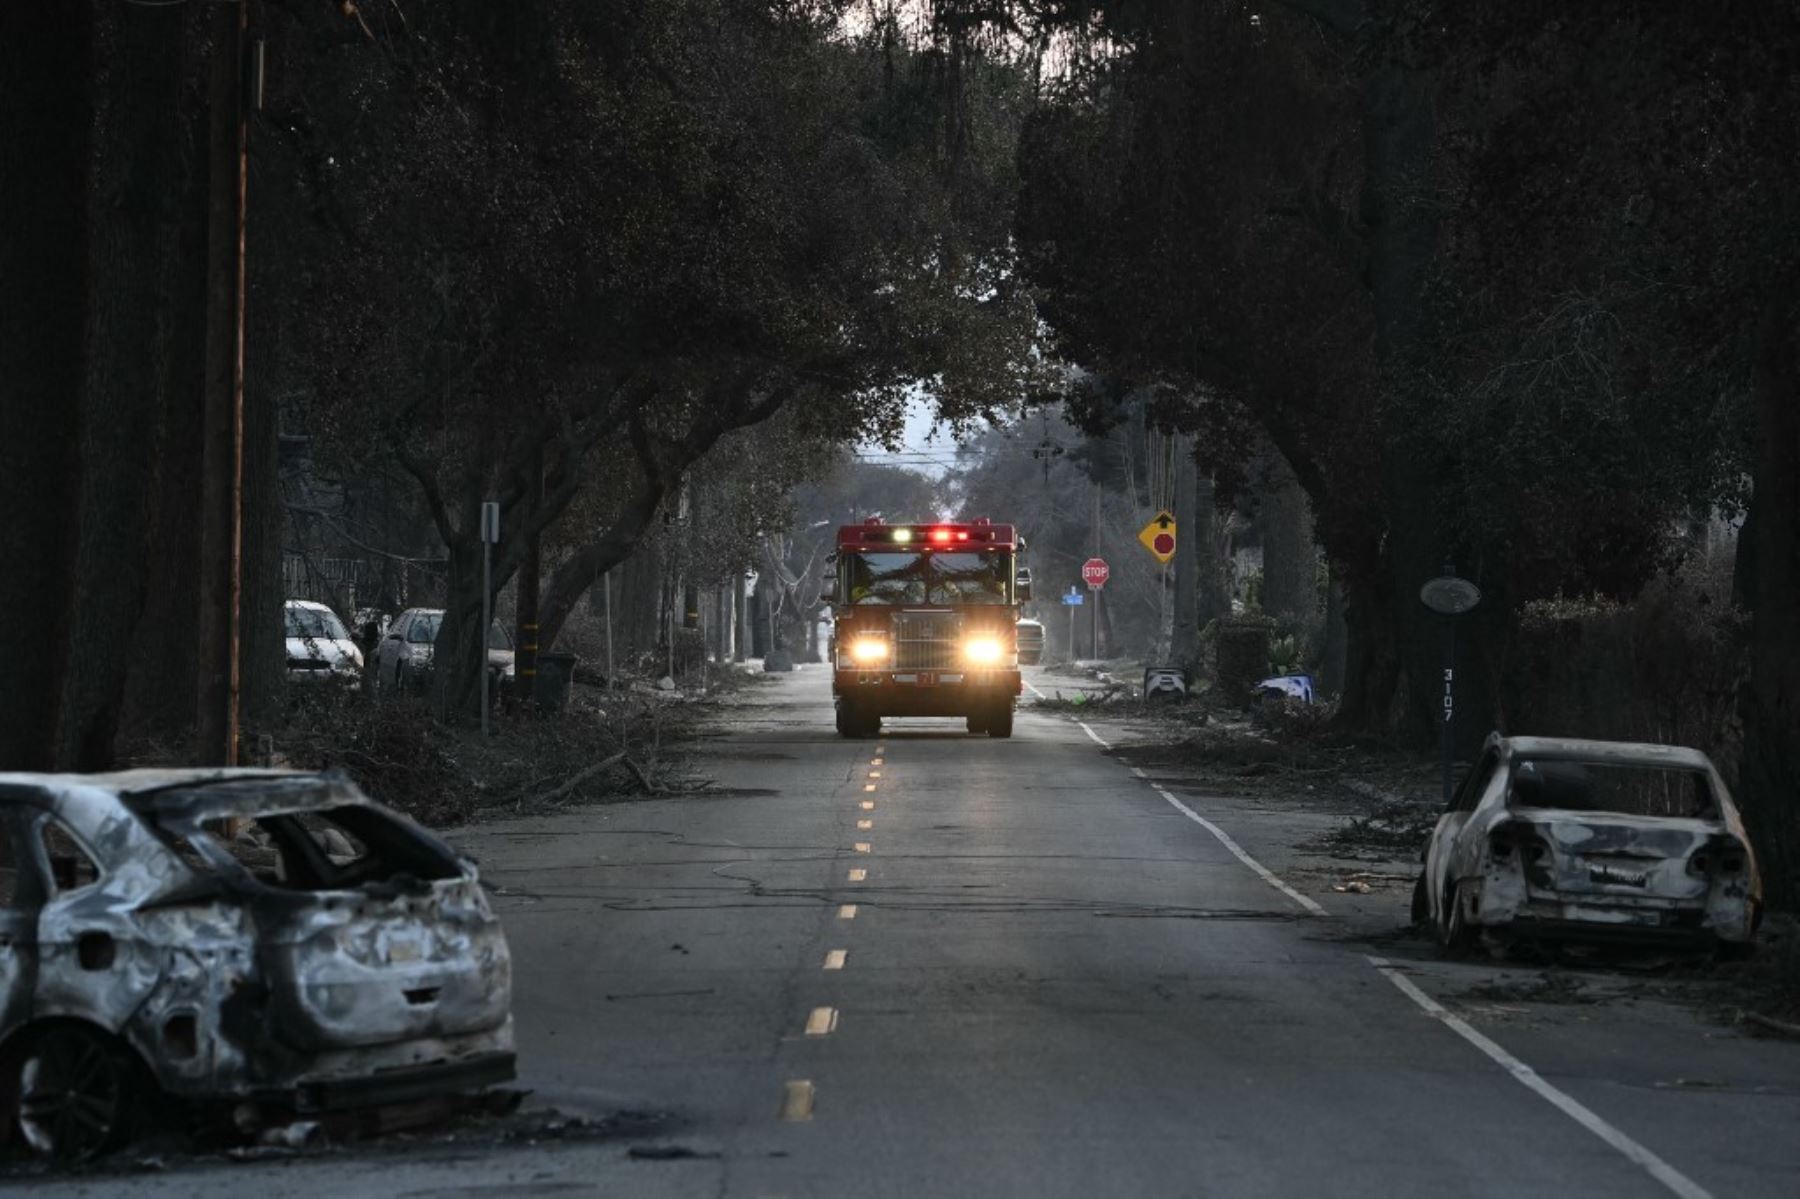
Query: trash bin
x=555 y=677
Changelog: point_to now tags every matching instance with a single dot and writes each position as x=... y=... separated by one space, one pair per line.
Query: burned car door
x=1440 y=850
x=93 y=960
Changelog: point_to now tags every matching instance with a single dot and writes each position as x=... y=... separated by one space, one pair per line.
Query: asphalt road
x=934 y=964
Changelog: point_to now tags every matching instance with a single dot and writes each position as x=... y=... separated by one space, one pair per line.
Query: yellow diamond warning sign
x=1159 y=536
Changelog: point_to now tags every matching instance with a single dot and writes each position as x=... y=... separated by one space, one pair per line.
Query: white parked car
x=1551 y=839
x=319 y=647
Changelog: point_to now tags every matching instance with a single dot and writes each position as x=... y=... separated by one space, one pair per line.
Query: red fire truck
x=925 y=617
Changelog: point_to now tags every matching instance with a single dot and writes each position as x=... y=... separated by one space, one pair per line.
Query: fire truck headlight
x=867 y=651
x=983 y=651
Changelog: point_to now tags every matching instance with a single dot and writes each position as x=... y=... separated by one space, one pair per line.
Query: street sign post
x=1159 y=537
x=1095 y=572
x=1072 y=599
x=490 y=537
x=1450 y=597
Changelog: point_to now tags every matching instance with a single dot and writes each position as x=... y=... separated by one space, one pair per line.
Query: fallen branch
x=579 y=777
x=1773 y=1025
x=642 y=776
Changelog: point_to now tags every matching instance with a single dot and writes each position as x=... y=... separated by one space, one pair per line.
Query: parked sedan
x=404 y=659
x=1557 y=839
x=403 y=663
x=319 y=647
x=272 y=943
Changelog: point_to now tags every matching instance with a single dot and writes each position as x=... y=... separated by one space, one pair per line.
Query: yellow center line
x=874 y=774
x=875 y=761
x=867 y=805
x=868 y=786
x=862 y=847
x=865 y=824
x=822 y=1022
x=834 y=959
x=797 y=1100
x=858 y=875
x=846 y=911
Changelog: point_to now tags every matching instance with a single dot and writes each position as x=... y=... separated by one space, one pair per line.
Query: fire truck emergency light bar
x=873 y=532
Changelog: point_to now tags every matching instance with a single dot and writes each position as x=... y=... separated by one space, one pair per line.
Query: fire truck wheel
x=975 y=724
x=999 y=724
x=846 y=721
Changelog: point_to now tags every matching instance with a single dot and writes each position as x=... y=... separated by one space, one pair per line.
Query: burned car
x=1553 y=839
x=270 y=944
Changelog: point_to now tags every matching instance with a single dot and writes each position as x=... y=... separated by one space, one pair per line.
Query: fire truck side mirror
x=1022 y=586
x=828 y=588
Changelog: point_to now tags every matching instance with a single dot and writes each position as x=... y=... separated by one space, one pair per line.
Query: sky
x=927 y=445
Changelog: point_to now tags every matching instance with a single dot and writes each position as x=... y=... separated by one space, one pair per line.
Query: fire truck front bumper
x=926 y=692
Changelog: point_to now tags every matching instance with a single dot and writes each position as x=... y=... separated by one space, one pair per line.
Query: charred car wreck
x=1555 y=839
x=265 y=943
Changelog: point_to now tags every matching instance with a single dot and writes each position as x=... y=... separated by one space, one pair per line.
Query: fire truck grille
x=925 y=641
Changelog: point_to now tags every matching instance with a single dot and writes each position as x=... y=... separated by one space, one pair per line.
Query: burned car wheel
x=1454 y=933
x=78 y=1094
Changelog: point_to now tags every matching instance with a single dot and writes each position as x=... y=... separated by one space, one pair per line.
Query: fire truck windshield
x=978 y=577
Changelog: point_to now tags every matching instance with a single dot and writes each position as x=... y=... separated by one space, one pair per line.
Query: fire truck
x=924 y=624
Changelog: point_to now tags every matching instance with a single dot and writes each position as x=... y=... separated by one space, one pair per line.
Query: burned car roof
x=1637 y=753
x=238 y=791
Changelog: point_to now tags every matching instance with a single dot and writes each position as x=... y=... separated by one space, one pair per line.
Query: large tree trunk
x=136 y=187
x=740 y=618
x=1769 y=773
x=461 y=651
x=46 y=125
x=1402 y=230
x=1290 y=559
x=162 y=678
x=1212 y=585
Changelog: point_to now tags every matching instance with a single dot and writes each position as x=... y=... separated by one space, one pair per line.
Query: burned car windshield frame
x=1588 y=785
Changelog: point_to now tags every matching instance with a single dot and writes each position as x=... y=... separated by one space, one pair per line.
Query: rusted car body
x=271 y=940
x=1559 y=839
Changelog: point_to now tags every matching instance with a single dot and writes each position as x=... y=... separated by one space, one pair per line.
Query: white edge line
x=1677 y=1182
x=1268 y=876
x=1263 y=872
x=1032 y=689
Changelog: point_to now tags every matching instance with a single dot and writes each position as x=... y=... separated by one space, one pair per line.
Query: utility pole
x=219 y=659
x=490 y=536
x=1096 y=593
x=1186 y=634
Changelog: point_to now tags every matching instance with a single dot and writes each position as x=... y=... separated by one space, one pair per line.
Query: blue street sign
x=1074 y=598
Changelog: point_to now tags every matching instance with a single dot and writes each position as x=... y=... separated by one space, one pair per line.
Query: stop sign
x=1095 y=572
x=1163 y=544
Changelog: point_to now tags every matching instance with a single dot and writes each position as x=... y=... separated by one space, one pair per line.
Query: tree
x=103 y=190
x=1281 y=205
x=605 y=236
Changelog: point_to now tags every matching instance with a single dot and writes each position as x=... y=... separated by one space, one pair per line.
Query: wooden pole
x=218 y=654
